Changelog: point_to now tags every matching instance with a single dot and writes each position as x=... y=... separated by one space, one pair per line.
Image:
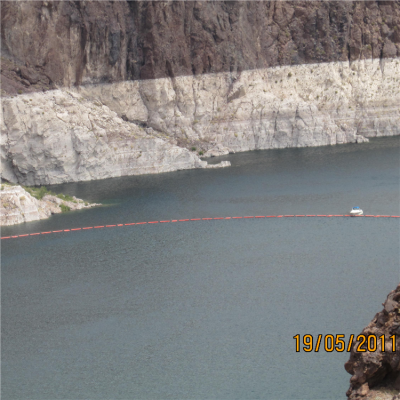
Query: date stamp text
x=338 y=343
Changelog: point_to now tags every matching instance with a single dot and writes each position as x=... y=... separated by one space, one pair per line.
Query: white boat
x=356 y=212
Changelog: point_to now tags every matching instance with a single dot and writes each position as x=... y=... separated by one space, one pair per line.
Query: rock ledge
x=18 y=206
x=376 y=375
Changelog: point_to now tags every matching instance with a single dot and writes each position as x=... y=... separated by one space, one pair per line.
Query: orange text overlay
x=360 y=344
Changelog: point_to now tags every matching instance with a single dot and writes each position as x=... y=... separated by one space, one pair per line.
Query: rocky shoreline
x=18 y=206
x=167 y=124
x=94 y=90
x=376 y=375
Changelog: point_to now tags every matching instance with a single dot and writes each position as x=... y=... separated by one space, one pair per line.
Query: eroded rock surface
x=376 y=375
x=18 y=206
x=59 y=136
x=133 y=87
x=151 y=126
x=291 y=106
x=68 y=43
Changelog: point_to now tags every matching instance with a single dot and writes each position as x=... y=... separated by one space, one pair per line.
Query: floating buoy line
x=192 y=219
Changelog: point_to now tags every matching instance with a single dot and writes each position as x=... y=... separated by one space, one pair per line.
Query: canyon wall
x=289 y=106
x=98 y=89
x=69 y=43
x=150 y=126
x=59 y=136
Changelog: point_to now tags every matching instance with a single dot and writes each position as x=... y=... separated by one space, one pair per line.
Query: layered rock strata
x=151 y=126
x=135 y=87
x=290 y=106
x=59 y=136
x=63 y=43
x=18 y=206
x=376 y=375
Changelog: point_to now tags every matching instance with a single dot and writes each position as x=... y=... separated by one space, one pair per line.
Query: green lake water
x=203 y=309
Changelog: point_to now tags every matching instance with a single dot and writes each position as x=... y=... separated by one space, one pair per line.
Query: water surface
x=204 y=309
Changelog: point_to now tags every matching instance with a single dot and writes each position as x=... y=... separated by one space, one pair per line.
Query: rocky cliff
x=137 y=127
x=18 y=206
x=289 y=106
x=75 y=42
x=59 y=136
x=376 y=375
x=102 y=89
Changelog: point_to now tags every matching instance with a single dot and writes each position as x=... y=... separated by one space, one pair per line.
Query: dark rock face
x=71 y=43
x=378 y=369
